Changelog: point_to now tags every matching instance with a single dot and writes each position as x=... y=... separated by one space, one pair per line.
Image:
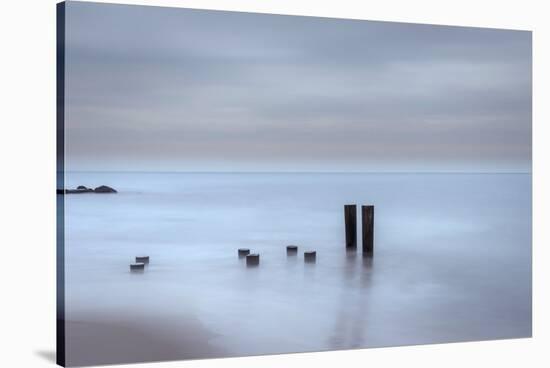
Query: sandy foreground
x=99 y=342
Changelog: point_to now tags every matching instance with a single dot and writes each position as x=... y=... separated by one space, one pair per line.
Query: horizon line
x=294 y=172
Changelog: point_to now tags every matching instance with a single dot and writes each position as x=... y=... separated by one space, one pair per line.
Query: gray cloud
x=176 y=89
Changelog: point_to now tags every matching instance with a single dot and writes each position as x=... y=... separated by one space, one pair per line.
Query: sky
x=167 y=89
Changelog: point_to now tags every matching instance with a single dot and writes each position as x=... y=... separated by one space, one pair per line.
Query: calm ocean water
x=452 y=258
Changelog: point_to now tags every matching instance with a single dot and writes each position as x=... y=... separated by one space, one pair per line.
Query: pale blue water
x=452 y=257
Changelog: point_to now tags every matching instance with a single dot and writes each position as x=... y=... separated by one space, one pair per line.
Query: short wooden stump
x=243 y=252
x=253 y=260
x=142 y=259
x=310 y=257
x=291 y=250
x=137 y=266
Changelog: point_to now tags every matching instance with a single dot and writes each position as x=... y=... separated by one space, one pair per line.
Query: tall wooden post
x=367 y=215
x=350 y=215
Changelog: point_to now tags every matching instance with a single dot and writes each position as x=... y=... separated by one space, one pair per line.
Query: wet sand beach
x=104 y=340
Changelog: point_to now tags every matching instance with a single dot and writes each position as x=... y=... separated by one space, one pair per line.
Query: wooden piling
x=137 y=266
x=367 y=214
x=142 y=259
x=253 y=259
x=291 y=250
x=350 y=216
x=243 y=252
x=310 y=257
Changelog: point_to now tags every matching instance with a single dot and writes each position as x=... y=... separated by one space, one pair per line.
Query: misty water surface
x=452 y=258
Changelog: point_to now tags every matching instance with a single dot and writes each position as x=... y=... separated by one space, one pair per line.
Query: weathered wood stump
x=253 y=259
x=350 y=217
x=243 y=252
x=367 y=214
x=310 y=257
x=142 y=259
x=137 y=266
x=291 y=250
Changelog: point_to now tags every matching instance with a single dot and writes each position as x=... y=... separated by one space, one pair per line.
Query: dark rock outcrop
x=104 y=189
x=80 y=189
x=83 y=189
x=75 y=191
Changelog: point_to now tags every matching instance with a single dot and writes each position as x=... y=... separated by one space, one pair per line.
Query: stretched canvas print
x=235 y=184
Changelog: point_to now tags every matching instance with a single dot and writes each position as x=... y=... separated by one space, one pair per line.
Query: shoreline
x=107 y=341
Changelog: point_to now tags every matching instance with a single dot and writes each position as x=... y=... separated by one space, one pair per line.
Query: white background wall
x=27 y=181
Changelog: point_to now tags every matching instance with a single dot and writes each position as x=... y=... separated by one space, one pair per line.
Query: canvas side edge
x=60 y=184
